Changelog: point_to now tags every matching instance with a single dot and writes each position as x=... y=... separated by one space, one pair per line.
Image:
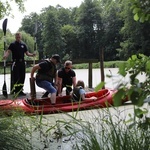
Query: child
x=79 y=92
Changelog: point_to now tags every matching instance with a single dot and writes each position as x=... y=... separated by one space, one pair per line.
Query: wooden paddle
x=4 y=89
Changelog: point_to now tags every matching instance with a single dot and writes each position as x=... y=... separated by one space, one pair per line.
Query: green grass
x=103 y=130
x=98 y=129
x=109 y=64
x=13 y=133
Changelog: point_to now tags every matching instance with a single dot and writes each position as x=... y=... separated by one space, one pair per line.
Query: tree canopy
x=81 y=32
x=5 y=7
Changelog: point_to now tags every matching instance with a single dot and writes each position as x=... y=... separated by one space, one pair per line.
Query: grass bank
x=108 y=64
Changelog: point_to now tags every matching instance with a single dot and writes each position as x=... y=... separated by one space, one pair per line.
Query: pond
x=82 y=74
x=40 y=140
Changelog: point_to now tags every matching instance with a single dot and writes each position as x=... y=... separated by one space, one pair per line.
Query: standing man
x=66 y=77
x=18 y=49
x=46 y=73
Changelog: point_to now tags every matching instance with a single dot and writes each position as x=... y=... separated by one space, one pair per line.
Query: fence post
x=90 y=75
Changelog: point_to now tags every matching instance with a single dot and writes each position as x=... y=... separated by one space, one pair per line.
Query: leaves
x=99 y=86
x=139 y=112
x=6 y=9
x=118 y=97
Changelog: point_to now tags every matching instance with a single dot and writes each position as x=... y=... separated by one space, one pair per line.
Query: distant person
x=79 y=92
x=46 y=74
x=18 y=49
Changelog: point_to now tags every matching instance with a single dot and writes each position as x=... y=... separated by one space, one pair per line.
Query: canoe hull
x=63 y=104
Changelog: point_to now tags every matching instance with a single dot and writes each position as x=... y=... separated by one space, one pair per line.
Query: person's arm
x=59 y=84
x=34 y=68
x=6 y=54
x=88 y=98
x=74 y=82
x=30 y=54
x=73 y=78
x=82 y=93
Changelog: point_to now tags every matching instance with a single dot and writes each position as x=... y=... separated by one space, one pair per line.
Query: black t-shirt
x=18 y=49
x=45 y=67
x=47 y=71
x=66 y=76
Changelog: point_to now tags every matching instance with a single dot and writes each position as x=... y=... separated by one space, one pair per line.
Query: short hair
x=68 y=63
x=18 y=33
x=80 y=83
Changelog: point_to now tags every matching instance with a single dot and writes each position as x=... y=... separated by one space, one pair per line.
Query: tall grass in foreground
x=105 y=131
x=13 y=133
x=97 y=129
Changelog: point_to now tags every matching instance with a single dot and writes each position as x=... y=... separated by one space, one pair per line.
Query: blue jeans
x=46 y=85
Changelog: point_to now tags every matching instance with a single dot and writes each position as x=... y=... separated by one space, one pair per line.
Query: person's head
x=55 y=58
x=80 y=83
x=18 y=36
x=68 y=65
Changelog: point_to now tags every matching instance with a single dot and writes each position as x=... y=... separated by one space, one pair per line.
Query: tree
x=28 y=23
x=89 y=22
x=70 y=41
x=33 y=25
x=112 y=23
x=64 y=15
x=135 y=34
x=51 y=34
x=141 y=10
x=5 y=7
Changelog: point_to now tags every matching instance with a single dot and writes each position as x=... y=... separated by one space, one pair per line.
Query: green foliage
x=28 y=23
x=119 y=97
x=106 y=130
x=14 y=133
x=107 y=64
x=135 y=34
x=82 y=32
x=112 y=23
x=51 y=33
x=69 y=39
x=137 y=91
x=5 y=7
x=90 y=28
x=99 y=86
x=28 y=40
x=141 y=10
x=80 y=66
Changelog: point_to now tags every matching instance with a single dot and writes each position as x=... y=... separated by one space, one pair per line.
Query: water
x=88 y=115
x=81 y=74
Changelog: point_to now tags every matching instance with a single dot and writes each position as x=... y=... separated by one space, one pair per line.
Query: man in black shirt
x=66 y=77
x=18 y=49
x=46 y=74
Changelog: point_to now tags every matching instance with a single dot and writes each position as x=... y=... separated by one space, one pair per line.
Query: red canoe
x=63 y=104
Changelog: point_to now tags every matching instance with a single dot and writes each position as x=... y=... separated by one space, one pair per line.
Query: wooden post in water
x=11 y=80
x=90 y=75
x=102 y=65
